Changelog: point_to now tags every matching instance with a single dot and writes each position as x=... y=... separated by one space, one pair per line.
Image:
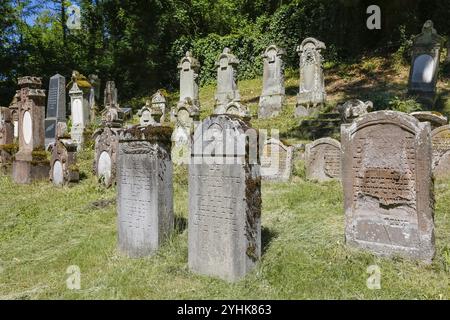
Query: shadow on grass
x=180 y=224
x=267 y=236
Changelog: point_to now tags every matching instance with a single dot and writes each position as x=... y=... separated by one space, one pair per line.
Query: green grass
x=44 y=230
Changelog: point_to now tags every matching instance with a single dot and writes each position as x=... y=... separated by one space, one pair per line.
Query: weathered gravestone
x=78 y=115
x=105 y=154
x=388 y=186
x=276 y=160
x=148 y=116
x=224 y=199
x=14 y=107
x=31 y=162
x=227 y=90
x=435 y=119
x=94 y=94
x=189 y=68
x=354 y=108
x=7 y=147
x=235 y=108
x=440 y=138
x=323 y=159
x=423 y=74
x=144 y=190
x=312 y=88
x=63 y=161
x=56 y=107
x=272 y=96
x=84 y=86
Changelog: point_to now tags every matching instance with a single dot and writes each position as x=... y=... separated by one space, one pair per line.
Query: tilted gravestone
x=227 y=90
x=63 y=161
x=7 y=148
x=272 y=96
x=423 y=74
x=388 y=186
x=144 y=190
x=276 y=160
x=323 y=159
x=56 y=107
x=440 y=138
x=312 y=88
x=354 y=108
x=224 y=199
x=435 y=119
x=31 y=161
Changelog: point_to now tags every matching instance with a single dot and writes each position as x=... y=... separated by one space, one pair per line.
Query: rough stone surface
x=312 y=88
x=14 y=107
x=272 y=96
x=224 y=199
x=6 y=139
x=435 y=119
x=354 y=108
x=189 y=68
x=323 y=159
x=30 y=161
x=105 y=156
x=187 y=115
x=276 y=160
x=388 y=186
x=440 y=138
x=144 y=190
x=159 y=107
x=78 y=115
x=227 y=90
x=423 y=74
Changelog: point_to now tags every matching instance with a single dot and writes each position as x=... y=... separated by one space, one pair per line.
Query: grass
x=44 y=230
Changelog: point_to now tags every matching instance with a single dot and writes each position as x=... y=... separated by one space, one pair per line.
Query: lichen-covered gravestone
x=272 y=96
x=6 y=139
x=423 y=74
x=105 y=155
x=31 y=161
x=276 y=160
x=323 y=159
x=227 y=90
x=354 y=108
x=159 y=107
x=56 y=107
x=224 y=199
x=312 y=88
x=435 y=119
x=63 y=161
x=388 y=186
x=144 y=190
x=440 y=138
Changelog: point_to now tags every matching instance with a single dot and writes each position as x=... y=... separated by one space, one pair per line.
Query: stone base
x=270 y=106
x=24 y=172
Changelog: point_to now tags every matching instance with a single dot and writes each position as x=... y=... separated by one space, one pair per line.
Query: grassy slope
x=44 y=229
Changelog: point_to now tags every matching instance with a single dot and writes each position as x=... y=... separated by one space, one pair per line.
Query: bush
x=407 y=106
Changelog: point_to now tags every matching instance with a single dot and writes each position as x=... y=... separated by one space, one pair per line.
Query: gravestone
x=30 y=162
x=159 y=106
x=63 y=161
x=388 y=186
x=78 y=116
x=323 y=159
x=353 y=109
x=272 y=96
x=56 y=107
x=110 y=95
x=105 y=154
x=276 y=160
x=312 y=88
x=189 y=68
x=94 y=94
x=227 y=90
x=14 y=107
x=7 y=147
x=423 y=74
x=84 y=86
x=146 y=115
x=224 y=199
x=235 y=108
x=186 y=117
x=440 y=138
x=144 y=190
x=435 y=119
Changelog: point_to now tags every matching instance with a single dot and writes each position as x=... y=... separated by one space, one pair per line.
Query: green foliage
x=404 y=105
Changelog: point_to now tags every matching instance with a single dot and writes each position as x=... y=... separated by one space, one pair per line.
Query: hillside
x=44 y=230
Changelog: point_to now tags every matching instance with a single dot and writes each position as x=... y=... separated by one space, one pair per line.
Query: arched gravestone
x=323 y=159
x=272 y=96
x=63 y=161
x=440 y=138
x=388 y=186
x=423 y=74
x=312 y=88
x=105 y=156
x=189 y=68
x=435 y=119
x=224 y=199
x=227 y=90
x=144 y=190
x=276 y=160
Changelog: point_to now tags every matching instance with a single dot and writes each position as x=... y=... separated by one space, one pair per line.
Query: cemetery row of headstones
x=385 y=162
